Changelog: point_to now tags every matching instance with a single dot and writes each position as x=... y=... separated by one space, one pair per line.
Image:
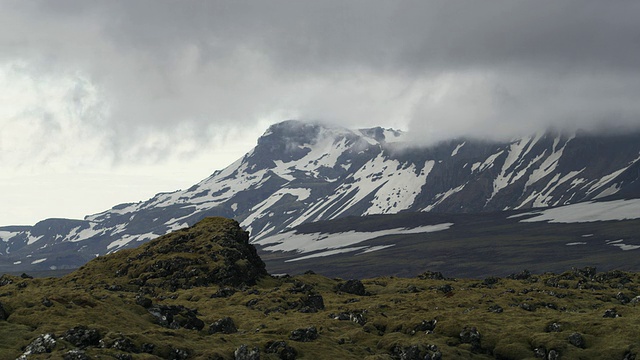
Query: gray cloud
x=153 y=78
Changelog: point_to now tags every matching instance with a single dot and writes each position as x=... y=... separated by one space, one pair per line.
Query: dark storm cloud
x=194 y=69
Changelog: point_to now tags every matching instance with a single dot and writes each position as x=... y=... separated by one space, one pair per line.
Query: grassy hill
x=203 y=293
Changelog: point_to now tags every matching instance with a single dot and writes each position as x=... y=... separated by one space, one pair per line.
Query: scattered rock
x=44 y=343
x=179 y=354
x=124 y=357
x=304 y=335
x=623 y=298
x=143 y=301
x=46 y=302
x=611 y=313
x=629 y=356
x=553 y=327
x=496 y=309
x=431 y=275
x=577 y=340
x=447 y=288
x=224 y=326
x=76 y=354
x=522 y=275
x=490 y=281
x=357 y=317
x=224 y=292
x=540 y=352
x=123 y=343
x=527 y=307
x=553 y=355
x=82 y=337
x=300 y=287
x=416 y=352
x=470 y=335
x=147 y=348
x=588 y=271
x=352 y=286
x=25 y=276
x=426 y=326
x=311 y=303
x=244 y=353
x=175 y=317
x=284 y=351
x=5 y=280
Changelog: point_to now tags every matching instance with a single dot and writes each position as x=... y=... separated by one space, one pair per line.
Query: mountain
x=303 y=172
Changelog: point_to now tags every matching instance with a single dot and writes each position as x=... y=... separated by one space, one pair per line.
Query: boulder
x=244 y=353
x=76 y=354
x=82 y=337
x=304 y=335
x=426 y=326
x=284 y=351
x=311 y=303
x=352 y=286
x=577 y=340
x=44 y=343
x=224 y=292
x=611 y=313
x=224 y=326
x=553 y=327
x=175 y=317
x=470 y=335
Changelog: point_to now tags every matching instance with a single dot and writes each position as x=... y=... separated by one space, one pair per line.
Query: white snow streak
x=588 y=212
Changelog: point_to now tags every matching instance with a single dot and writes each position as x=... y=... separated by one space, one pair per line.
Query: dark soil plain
x=203 y=293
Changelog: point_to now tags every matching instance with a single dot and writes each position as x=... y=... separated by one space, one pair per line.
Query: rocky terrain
x=203 y=293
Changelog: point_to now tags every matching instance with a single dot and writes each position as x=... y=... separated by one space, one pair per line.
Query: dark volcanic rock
x=611 y=313
x=42 y=344
x=311 y=303
x=82 y=337
x=175 y=317
x=284 y=351
x=354 y=287
x=577 y=340
x=224 y=325
x=470 y=335
x=304 y=335
x=76 y=354
x=426 y=326
x=244 y=353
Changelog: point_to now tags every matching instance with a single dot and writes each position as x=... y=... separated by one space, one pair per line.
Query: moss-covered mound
x=216 y=303
x=213 y=251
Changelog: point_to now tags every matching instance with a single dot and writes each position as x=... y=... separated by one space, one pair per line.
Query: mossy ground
x=100 y=297
x=393 y=309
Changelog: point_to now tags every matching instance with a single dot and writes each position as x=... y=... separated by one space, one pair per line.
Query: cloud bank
x=145 y=81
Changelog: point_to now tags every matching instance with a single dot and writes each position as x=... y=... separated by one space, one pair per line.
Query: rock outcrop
x=215 y=251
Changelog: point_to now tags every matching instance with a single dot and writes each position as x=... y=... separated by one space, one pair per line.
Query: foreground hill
x=304 y=172
x=202 y=293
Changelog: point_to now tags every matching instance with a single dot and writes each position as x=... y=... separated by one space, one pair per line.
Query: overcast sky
x=112 y=101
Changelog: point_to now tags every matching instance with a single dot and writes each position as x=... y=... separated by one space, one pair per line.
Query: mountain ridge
x=301 y=172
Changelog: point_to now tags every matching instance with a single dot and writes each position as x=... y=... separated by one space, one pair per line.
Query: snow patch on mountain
x=587 y=212
x=310 y=242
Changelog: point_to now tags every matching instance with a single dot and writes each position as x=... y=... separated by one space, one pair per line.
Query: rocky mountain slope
x=303 y=172
x=170 y=299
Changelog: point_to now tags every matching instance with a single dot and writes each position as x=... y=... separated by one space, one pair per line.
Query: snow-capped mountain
x=303 y=172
